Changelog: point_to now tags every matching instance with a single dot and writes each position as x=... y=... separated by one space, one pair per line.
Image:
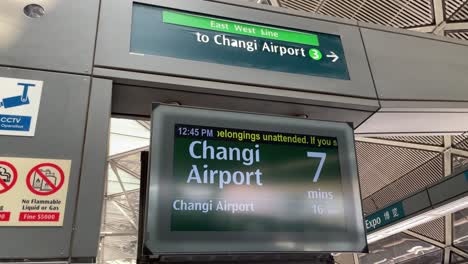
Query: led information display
x=225 y=161
x=170 y=33
x=223 y=181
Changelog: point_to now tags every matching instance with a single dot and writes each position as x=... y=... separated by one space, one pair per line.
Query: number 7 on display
x=321 y=156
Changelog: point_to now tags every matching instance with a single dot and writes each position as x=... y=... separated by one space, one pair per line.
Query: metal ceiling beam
x=275 y=3
x=459 y=252
x=459 y=152
x=111 y=234
x=127 y=170
x=110 y=196
x=132 y=209
x=456 y=26
x=438 y=11
x=448 y=218
x=319 y=5
x=400 y=144
x=425 y=29
x=395 y=143
x=447 y=156
x=126 y=215
x=424 y=238
x=356 y=258
x=127 y=153
x=448 y=238
x=144 y=124
x=441 y=26
x=439 y=29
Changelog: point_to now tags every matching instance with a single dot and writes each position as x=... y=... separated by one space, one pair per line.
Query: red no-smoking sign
x=8 y=176
x=45 y=179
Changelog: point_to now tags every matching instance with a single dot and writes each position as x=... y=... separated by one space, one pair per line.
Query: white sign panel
x=19 y=106
x=33 y=192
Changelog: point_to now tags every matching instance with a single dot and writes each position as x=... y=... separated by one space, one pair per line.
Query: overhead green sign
x=223 y=181
x=384 y=217
x=170 y=33
x=227 y=26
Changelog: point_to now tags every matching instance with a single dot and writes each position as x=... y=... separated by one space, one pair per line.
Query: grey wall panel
x=91 y=193
x=62 y=40
x=415 y=68
x=136 y=100
x=59 y=134
x=235 y=90
x=113 y=48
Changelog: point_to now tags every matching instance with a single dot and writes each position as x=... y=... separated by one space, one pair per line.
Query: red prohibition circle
x=55 y=188
x=13 y=180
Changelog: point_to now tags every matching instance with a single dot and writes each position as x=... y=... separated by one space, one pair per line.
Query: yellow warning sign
x=33 y=192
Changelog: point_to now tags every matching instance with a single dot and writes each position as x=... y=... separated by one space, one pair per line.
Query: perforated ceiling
x=442 y=17
x=381 y=165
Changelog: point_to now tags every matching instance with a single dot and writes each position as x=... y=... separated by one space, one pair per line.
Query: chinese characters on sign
x=384 y=217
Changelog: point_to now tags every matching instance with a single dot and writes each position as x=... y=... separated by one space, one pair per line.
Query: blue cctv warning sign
x=19 y=106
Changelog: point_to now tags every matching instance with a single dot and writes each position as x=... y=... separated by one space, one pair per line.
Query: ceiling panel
x=455 y=10
x=460 y=142
x=458 y=139
x=397 y=13
x=345 y=9
x=369 y=206
x=415 y=14
x=434 y=229
x=425 y=140
x=457 y=34
x=421 y=176
x=461 y=14
x=387 y=12
x=310 y=6
x=380 y=165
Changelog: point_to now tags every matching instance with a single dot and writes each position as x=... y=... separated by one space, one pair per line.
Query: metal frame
x=440 y=27
x=402 y=144
x=115 y=166
x=448 y=218
x=448 y=150
x=443 y=24
x=132 y=209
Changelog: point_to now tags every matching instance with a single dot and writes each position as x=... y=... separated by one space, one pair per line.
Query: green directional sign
x=170 y=33
x=384 y=217
x=227 y=26
x=224 y=181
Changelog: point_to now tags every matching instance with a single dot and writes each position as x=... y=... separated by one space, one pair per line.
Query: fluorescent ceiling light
x=425 y=217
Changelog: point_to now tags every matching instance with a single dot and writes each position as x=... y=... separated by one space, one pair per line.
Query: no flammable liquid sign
x=45 y=179
x=33 y=192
